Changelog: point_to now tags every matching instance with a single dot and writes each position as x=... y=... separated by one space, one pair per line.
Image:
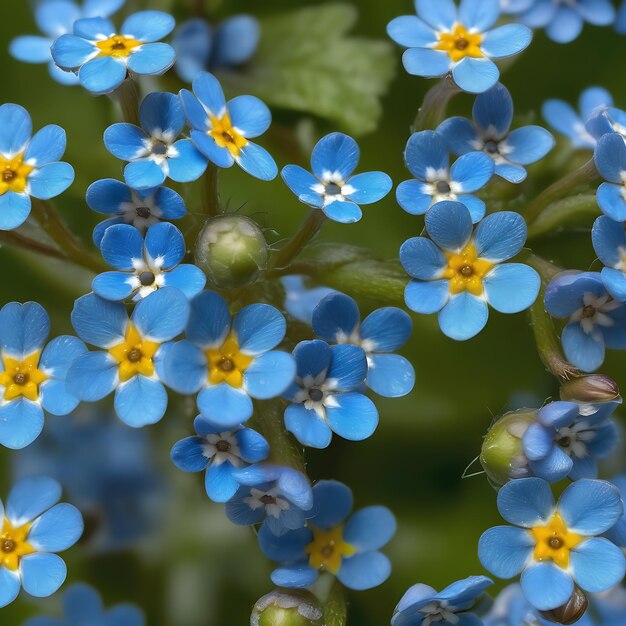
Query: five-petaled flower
x=333 y=541
x=555 y=546
x=332 y=187
x=458 y=272
x=610 y=160
x=102 y=57
x=34 y=526
x=445 y=39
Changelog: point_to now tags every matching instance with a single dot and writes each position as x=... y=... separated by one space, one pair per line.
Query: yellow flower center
x=466 y=271
x=460 y=43
x=328 y=548
x=22 y=378
x=134 y=355
x=554 y=541
x=14 y=174
x=225 y=135
x=13 y=544
x=117 y=46
x=227 y=364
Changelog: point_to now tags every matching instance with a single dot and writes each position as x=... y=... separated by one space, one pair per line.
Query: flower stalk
x=433 y=109
x=311 y=225
x=127 y=97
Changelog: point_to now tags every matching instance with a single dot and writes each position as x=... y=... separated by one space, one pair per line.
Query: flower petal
x=546 y=586
x=475 y=75
x=472 y=171
x=506 y=41
x=30 y=497
x=354 y=418
x=598 y=565
x=463 y=317
x=259 y=328
x=370 y=528
x=140 y=401
x=336 y=317
x=364 y=570
x=102 y=75
x=42 y=573
x=152 y=58
x=500 y=236
x=427 y=296
x=526 y=502
x=333 y=503
x=224 y=405
x=512 y=287
x=47 y=145
x=148 y=25
x=528 y=144
x=269 y=375
x=590 y=507
x=335 y=153
x=93 y=376
x=390 y=375
x=21 y=422
x=307 y=426
x=57 y=529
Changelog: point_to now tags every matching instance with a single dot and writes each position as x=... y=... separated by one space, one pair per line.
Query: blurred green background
x=199 y=570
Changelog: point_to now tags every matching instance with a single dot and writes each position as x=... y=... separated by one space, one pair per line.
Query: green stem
x=562 y=211
x=335 y=609
x=127 y=96
x=433 y=109
x=306 y=231
x=585 y=174
x=17 y=240
x=211 y=191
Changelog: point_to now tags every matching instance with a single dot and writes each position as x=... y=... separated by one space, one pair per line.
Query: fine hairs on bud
x=286 y=608
x=590 y=389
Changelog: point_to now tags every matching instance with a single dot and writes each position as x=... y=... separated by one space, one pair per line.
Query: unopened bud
x=571 y=611
x=232 y=251
x=287 y=608
x=590 y=389
x=501 y=454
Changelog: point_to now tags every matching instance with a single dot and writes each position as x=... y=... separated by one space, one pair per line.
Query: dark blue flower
x=332 y=187
x=445 y=39
x=142 y=209
x=131 y=351
x=300 y=302
x=422 y=605
x=34 y=528
x=220 y=453
x=337 y=319
x=610 y=159
x=278 y=497
x=427 y=158
x=555 y=546
x=32 y=374
x=333 y=541
x=199 y=46
x=594 y=320
x=459 y=271
x=154 y=151
x=102 y=57
x=491 y=132
x=144 y=265
x=609 y=243
x=222 y=130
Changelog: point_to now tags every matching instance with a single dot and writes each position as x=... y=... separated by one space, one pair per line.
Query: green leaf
x=307 y=62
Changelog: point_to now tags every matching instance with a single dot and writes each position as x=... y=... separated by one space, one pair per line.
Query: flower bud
x=232 y=251
x=501 y=454
x=590 y=389
x=571 y=611
x=287 y=608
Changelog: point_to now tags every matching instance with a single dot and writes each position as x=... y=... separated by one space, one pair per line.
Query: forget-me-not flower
x=29 y=166
x=32 y=374
x=337 y=319
x=458 y=272
x=553 y=545
x=144 y=265
x=200 y=46
x=154 y=151
x=332 y=187
x=445 y=39
x=35 y=526
x=491 y=133
x=595 y=321
x=222 y=130
x=300 y=302
x=427 y=158
x=219 y=453
x=130 y=352
x=609 y=243
x=610 y=159
x=142 y=208
x=334 y=541
x=229 y=362
x=103 y=57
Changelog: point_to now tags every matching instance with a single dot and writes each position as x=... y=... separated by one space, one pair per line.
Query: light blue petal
x=566 y=25
x=610 y=157
x=336 y=317
x=307 y=426
x=512 y=287
x=140 y=401
x=148 y=25
x=591 y=98
x=506 y=41
x=236 y=40
x=500 y=236
x=426 y=151
x=463 y=317
x=209 y=320
x=598 y=565
x=299 y=180
x=390 y=375
x=209 y=91
x=102 y=75
x=479 y=15
x=50 y=180
x=528 y=144
x=590 y=507
x=269 y=375
x=21 y=422
x=611 y=201
x=219 y=482
x=312 y=357
x=427 y=297
x=98 y=321
x=125 y=141
x=42 y=573
x=196 y=114
x=162 y=315
x=493 y=110
x=165 y=245
x=370 y=528
x=537 y=441
x=257 y=162
x=188 y=454
x=92 y=377
x=10 y=585
x=475 y=75
x=558 y=414
x=122 y=247
x=207 y=146
x=56 y=399
x=46 y=146
x=526 y=502
x=152 y=59
x=54 y=18
x=14 y=209
x=15 y=128
x=440 y=15
x=369 y=187
x=188 y=278
x=224 y=405
x=294 y=576
x=249 y=115
x=335 y=153
x=449 y=225
x=343 y=212
x=348 y=367
x=562 y=117
x=161 y=113
x=459 y=133
x=472 y=171
x=513 y=173
x=259 y=328
x=333 y=503
x=597 y=12
x=546 y=586
x=615 y=283
x=555 y=466
x=475 y=206
x=411 y=32
x=30 y=497
x=103 y=8
x=125 y=615
x=114 y=286
x=60 y=353
x=364 y=570
x=584 y=351
x=93 y=28
x=189 y=165
x=144 y=174
x=411 y=197
x=70 y=52
x=253 y=446
x=426 y=62
x=386 y=329
x=354 y=418
x=57 y=529
x=24 y=328
x=607 y=237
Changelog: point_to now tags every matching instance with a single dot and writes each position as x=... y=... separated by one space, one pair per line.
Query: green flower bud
x=232 y=251
x=501 y=454
x=287 y=608
x=590 y=389
x=571 y=611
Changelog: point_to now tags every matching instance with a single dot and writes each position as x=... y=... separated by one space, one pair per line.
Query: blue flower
x=28 y=166
x=145 y=265
x=300 y=302
x=55 y=18
x=278 y=497
x=337 y=320
x=229 y=363
x=220 y=453
x=131 y=351
x=142 y=209
x=457 y=272
x=566 y=440
x=82 y=604
x=443 y=39
x=609 y=243
x=201 y=47
x=333 y=541
x=563 y=21
x=491 y=132
x=610 y=159
x=102 y=57
x=332 y=187
x=427 y=158
x=594 y=320
x=562 y=117
x=34 y=527
x=32 y=374
x=554 y=547
x=606 y=119
x=153 y=151
x=422 y=605
x=324 y=397
x=222 y=130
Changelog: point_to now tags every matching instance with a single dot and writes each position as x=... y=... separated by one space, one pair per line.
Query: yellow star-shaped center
x=134 y=355
x=14 y=174
x=227 y=363
x=554 y=541
x=328 y=549
x=460 y=43
x=118 y=46
x=13 y=544
x=226 y=135
x=22 y=378
x=466 y=271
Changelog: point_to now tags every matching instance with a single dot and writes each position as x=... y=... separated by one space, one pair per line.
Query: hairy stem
x=127 y=96
x=211 y=191
x=303 y=235
x=433 y=109
x=335 y=609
